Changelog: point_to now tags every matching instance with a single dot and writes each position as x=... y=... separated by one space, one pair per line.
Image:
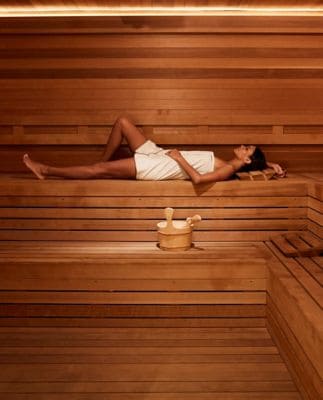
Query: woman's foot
x=35 y=167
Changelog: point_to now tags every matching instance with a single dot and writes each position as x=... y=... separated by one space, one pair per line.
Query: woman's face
x=244 y=152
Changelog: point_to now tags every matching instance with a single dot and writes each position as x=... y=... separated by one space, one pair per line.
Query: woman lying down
x=151 y=162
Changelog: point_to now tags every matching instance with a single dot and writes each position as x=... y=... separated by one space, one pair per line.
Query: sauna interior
x=90 y=307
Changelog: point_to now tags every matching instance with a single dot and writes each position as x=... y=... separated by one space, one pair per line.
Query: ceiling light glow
x=152 y=11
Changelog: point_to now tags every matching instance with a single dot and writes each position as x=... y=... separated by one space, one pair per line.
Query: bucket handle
x=192 y=220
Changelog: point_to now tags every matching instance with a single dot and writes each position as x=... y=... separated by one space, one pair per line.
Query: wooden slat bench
x=295 y=317
x=295 y=301
x=112 y=210
x=109 y=280
x=128 y=320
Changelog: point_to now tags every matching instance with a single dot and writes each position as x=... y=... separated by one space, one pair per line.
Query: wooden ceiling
x=85 y=4
x=28 y=8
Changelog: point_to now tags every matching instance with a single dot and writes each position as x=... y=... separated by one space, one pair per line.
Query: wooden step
x=300 y=244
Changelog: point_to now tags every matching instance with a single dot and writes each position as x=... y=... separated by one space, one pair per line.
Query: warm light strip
x=154 y=11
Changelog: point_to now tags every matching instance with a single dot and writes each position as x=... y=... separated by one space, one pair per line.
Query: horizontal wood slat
x=133 y=311
x=215 y=203
x=95 y=188
x=154 y=213
x=31 y=297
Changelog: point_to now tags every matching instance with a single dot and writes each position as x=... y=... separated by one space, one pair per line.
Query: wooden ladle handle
x=169 y=212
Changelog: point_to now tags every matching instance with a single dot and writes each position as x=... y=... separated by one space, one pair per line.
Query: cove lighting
x=154 y=11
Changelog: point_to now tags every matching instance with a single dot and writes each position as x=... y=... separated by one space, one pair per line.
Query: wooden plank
x=220 y=71
x=311 y=239
x=284 y=245
x=93 y=285
x=137 y=359
x=315 y=204
x=264 y=388
x=170 y=396
x=203 y=396
x=221 y=342
x=135 y=40
x=132 y=311
x=121 y=252
x=147 y=372
x=147 y=201
x=148 y=224
x=315 y=229
x=315 y=190
x=115 y=236
x=304 y=161
x=164 y=52
x=132 y=274
x=77 y=64
x=151 y=23
x=177 y=117
x=312 y=268
x=80 y=334
x=55 y=187
x=158 y=94
x=269 y=352
x=112 y=264
x=138 y=322
x=30 y=297
x=180 y=83
x=174 y=117
x=151 y=213
x=315 y=216
x=230 y=268
x=298 y=243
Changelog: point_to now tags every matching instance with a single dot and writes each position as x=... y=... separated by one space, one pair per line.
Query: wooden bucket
x=175 y=235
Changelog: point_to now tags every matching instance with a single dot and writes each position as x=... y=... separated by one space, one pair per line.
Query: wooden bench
x=295 y=302
x=112 y=280
x=126 y=319
x=294 y=317
x=112 y=210
x=62 y=265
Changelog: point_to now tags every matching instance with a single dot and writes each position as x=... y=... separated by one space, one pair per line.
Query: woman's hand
x=279 y=171
x=174 y=154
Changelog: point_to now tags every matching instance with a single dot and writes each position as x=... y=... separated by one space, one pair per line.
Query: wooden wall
x=214 y=81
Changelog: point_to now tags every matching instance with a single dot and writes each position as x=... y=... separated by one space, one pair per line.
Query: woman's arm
x=221 y=174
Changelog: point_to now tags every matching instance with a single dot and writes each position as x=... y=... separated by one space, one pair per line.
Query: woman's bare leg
x=123 y=128
x=121 y=169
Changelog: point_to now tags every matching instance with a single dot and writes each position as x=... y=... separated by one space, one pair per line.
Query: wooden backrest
x=189 y=81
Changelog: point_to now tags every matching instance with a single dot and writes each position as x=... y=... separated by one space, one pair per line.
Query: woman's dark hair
x=258 y=161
